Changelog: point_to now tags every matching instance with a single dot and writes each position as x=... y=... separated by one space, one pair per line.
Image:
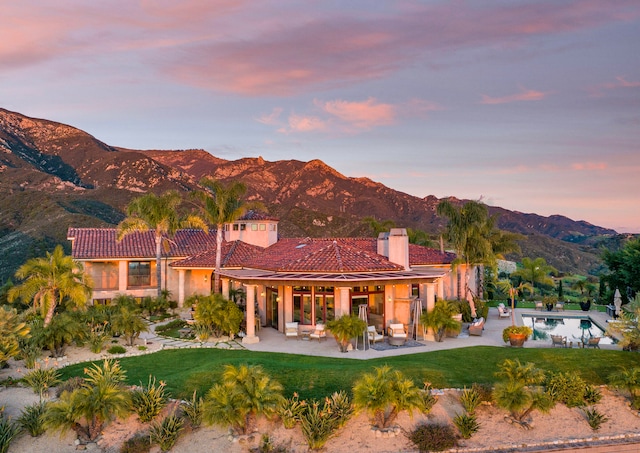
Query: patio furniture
x=476 y=327
x=593 y=343
x=397 y=334
x=503 y=312
x=558 y=340
x=291 y=330
x=319 y=332
x=539 y=305
x=374 y=335
x=559 y=306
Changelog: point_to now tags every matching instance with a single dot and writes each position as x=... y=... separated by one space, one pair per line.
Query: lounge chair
x=539 y=305
x=291 y=330
x=476 y=327
x=558 y=340
x=559 y=306
x=374 y=335
x=593 y=343
x=503 y=312
x=397 y=334
x=319 y=333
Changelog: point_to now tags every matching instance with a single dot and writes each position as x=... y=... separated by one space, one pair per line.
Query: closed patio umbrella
x=617 y=302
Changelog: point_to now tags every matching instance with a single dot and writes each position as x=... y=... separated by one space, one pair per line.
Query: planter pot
x=517 y=339
x=585 y=306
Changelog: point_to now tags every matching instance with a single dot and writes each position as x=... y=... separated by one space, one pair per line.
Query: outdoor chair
x=559 y=306
x=397 y=334
x=539 y=305
x=593 y=343
x=291 y=330
x=558 y=340
x=374 y=335
x=503 y=312
x=319 y=333
x=476 y=327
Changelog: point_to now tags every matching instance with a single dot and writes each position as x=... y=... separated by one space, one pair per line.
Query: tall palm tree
x=221 y=204
x=160 y=214
x=535 y=271
x=51 y=280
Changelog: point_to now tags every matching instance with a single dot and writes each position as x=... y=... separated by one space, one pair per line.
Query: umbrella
x=617 y=301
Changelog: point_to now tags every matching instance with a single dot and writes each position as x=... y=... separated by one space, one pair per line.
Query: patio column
x=440 y=288
x=345 y=302
x=123 y=267
x=225 y=287
x=250 y=337
x=431 y=296
x=181 y=274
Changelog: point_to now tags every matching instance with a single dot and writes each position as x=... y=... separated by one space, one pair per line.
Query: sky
x=533 y=106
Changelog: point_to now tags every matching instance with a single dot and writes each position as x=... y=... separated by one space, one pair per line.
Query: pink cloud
x=272 y=118
x=298 y=123
x=620 y=82
x=360 y=115
x=524 y=95
x=589 y=166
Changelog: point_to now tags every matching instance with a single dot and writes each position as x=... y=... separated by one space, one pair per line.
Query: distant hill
x=53 y=176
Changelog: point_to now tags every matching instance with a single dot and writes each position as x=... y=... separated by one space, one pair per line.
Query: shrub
x=175 y=324
x=166 y=432
x=42 y=379
x=470 y=399
x=139 y=443
x=31 y=419
x=193 y=409
x=592 y=395
x=148 y=401
x=142 y=348
x=467 y=424
x=567 y=388
x=317 y=425
x=428 y=399
x=290 y=411
x=433 y=437
x=340 y=407
x=595 y=418
x=484 y=391
x=8 y=431
x=116 y=349
x=69 y=385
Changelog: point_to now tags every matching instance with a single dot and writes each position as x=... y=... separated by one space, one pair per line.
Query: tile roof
x=102 y=243
x=234 y=254
x=420 y=255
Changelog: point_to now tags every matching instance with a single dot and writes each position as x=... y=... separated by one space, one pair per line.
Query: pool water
x=575 y=329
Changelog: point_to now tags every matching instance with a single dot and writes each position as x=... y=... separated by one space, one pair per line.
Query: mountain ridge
x=77 y=180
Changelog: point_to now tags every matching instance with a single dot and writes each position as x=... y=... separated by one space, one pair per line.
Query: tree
x=345 y=328
x=629 y=380
x=52 y=280
x=12 y=329
x=127 y=321
x=624 y=268
x=535 y=271
x=100 y=398
x=377 y=226
x=628 y=326
x=440 y=319
x=221 y=204
x=63 y=330
x=218 y=314
x=472 y=233
x=246 y=391
x=384 y=394
x=512 y=291
x=157 y=213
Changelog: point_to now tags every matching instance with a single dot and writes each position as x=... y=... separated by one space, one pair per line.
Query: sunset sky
x=532 y=106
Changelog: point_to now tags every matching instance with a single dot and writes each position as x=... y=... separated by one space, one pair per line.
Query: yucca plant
x=340 y=407
x=8 y=430
x=148 y=401
x=428 y=399
x=592 y=395
x=595 y=418
x=32 y=419
x=290 y=411
x=165 y=433
x=470 y=399
x=317 y=425
x=467 y=424
x=41 y=380
x=194 y=410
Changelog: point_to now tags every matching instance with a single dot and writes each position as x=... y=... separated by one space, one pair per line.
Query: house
x=307 y=280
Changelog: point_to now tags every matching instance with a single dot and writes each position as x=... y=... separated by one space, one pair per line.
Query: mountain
x=53 y=176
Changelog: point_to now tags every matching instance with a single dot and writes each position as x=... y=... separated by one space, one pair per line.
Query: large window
x=302 y=304
x=313 y=305
x=325 y=304
x=373 y=298
x=139 y=273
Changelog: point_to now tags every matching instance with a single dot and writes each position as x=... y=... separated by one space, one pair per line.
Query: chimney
x=395 y=246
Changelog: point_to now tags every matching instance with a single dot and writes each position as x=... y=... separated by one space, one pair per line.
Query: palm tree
x=384 y=394
x=100 y=398
x=507 y=285
x=629 y=380
x=50 y=281
x=63 y=330
x=378 y=226
x=440 y=319
x=127 y=321
x=345 y=328
x=157 y=213
x=474 y=236
x=246 y=391
x=12 y=329
x=535 y=271
x=221 y=204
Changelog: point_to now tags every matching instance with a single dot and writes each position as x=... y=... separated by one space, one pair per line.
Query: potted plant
x=441 y=319
x=550 y=301
x=516 y=335
x=585 y=305
x=345 y=328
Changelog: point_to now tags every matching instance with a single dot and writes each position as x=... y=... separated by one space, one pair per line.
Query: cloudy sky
x=529 y=105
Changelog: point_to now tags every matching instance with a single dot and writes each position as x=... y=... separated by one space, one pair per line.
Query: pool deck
x=273 y=341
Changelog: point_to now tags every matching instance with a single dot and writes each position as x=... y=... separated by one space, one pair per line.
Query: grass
x=317 y=377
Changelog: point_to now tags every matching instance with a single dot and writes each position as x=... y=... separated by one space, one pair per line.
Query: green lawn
x=316 y=377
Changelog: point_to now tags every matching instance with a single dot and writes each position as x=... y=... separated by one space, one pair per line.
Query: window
x=235 y=227
x=139 y=273
x=263 y=227
x=302 y=304
x=243 y=226
x=254 y=227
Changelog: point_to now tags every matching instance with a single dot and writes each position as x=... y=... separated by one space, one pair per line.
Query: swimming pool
x=577 y=328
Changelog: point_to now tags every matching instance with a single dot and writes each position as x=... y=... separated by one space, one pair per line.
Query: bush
x=69 y=385
x=166 y=432
x=116 y=349
x=290 y=411
x=172 y=325
x=595 y=418
x=470 y=399
x=8 y=431
x=433 y=437
x=567 y=388
x=139 y=443
x=340 y=407
x=484 y=391
x=317 y=425
x=41 y=380
x=149 y=401
x=193 y=409
x=592 y=395
x=428 y=399
x=31 y=419
x=467 y=424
